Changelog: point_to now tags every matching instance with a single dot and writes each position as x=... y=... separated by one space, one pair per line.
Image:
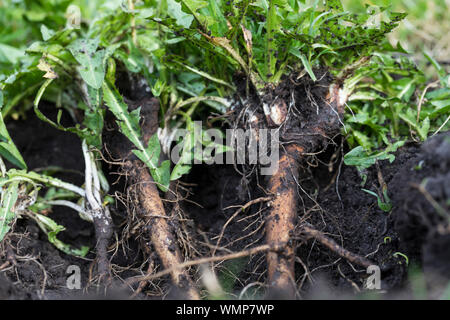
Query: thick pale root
x=147 y=198
x=280 y=221
x=161 y=234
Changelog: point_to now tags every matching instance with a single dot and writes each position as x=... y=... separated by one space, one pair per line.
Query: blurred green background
x=426 y=28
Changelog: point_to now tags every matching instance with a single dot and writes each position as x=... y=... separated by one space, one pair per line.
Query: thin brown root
x=241 y=209
x=142 y=284
x=352 y=283
x=235 y=255
x=310 y=232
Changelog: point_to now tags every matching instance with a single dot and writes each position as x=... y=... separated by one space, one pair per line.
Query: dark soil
x=422 y=214
x=350 y=216
x=45 y=148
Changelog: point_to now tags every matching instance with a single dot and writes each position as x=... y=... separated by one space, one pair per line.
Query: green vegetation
x=72 y=55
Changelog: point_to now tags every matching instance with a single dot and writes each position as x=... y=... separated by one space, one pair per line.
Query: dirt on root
x=331 y=200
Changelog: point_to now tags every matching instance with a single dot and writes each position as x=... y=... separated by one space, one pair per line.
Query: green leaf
x=230 y=273
x=436 y=65
x=362 y=139
x=174 y=10
x=151 y=153
x=406 y=86
x=442 y=107
x=46 y=32
x=385 y=206
x=362 y=160
x=438 y=94
x=305 y=62
x=92 y=68
x=9 y=54
x=129 y=126
x=158 y=88
x=8 y=149
x=163 y=172
x=174 y=61
x=335 y=5
x=184 y=164
x=179 y=170
x=272 y=27
x=424 y=129
x=93 y=120
x=192 y=6
x=7 y=214
x=219 y=27
x=51 y=228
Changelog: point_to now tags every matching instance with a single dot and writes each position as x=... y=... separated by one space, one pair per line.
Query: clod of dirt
x=302 y=109
x=8 y=291
x=421 y=195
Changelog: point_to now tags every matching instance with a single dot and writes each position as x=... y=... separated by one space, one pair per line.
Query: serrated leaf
x=152 y=152
x=93 y=120
x=184 y=164
x=127 y=121
x=129 y=126
x=164 y=174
